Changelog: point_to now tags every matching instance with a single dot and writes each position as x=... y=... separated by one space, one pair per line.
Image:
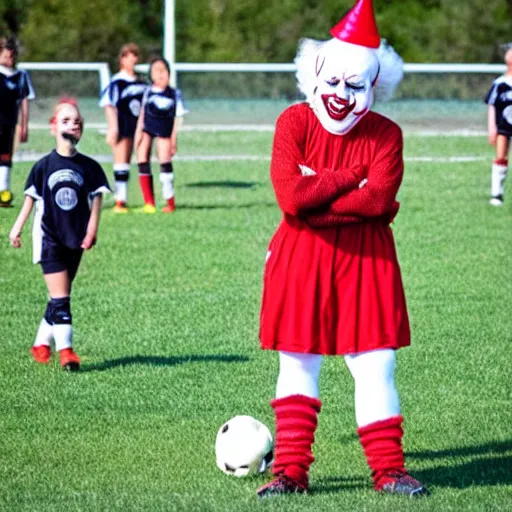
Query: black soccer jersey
x=65 y=187
x=125 y=93
x=160 y=110
x=15 y=85
x=500 y=95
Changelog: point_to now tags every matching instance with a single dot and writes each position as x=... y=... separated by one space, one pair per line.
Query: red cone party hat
x=358 y=26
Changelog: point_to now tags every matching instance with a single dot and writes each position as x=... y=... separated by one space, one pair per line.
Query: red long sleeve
x=296 y=193
x=378 y=197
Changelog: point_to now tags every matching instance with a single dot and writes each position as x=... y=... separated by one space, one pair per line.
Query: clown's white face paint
x=345 y=75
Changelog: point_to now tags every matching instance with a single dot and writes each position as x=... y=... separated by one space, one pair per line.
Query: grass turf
x=166 y=322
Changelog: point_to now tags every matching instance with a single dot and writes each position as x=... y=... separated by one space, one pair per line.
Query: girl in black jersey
x=161 y=106
x=122 y=101
x=499 y=125
x=67 y=189
x=15 y=91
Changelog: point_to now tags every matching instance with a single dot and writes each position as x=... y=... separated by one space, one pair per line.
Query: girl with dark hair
x=161 y=105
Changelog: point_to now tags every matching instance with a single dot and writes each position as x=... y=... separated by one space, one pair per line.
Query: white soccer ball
x=244 y=446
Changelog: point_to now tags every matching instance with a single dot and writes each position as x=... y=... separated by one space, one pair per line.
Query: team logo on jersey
x=161 y=102
x=507 y=114
x=66 y=198
x=134 y=107
x=63 y=175
x=133 y=90
x=10 y=85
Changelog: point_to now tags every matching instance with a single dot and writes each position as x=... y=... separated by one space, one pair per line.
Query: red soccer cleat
x=170 y=206
x=280 y=485
x=69 y=360
x=41 y=353
x=120 y=207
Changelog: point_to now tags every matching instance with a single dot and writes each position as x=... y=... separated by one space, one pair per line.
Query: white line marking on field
x=23 y=156
x=448 y=159
x=447 y=133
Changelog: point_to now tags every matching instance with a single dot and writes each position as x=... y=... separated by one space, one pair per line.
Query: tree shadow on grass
x=109 y=364
x=484 y=465
x=224 y=184
x=488 y=465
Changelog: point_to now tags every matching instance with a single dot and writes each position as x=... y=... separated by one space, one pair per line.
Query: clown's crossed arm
x=332 y=282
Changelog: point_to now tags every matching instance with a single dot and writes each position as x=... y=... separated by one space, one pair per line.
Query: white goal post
x=102 y=68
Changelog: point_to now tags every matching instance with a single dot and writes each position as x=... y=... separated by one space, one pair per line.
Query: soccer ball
x=244 y=446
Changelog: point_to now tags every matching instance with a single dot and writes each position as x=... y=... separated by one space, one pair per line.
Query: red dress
x=332 y=282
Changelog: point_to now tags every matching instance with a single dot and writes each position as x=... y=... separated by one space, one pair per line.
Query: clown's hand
x=306 y=171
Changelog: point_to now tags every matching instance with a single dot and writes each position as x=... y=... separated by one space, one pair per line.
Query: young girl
x=499 y=125
x=68 y=188
x=15 y=91
x=122 y=101
x=161 y=106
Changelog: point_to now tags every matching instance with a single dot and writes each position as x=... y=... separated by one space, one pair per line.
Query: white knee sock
x=298 y=374
x=376 y=397
x=121 y=185
x=5 y=178
x=63 y=335
x=167 y=181
x=44 y=334
x=499 y=173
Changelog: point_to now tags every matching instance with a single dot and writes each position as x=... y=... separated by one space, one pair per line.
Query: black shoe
x=404 y=484
x=280 y=485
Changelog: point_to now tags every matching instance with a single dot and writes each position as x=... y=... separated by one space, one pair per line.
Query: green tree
x=60 y=30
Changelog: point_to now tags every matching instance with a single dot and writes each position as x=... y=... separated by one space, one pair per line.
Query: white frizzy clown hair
x=309 y=58
x=391 y=71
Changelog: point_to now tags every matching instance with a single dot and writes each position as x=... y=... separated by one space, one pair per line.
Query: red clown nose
x=358 y=26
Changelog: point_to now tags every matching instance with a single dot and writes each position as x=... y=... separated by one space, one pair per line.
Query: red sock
x=382 y=445
x=146 y=185
x=296 y=421
x=170 y=203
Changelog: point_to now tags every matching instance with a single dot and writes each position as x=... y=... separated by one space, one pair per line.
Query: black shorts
x=157 y=127
x=126 y=126
x=7 y=132
x=57 y=258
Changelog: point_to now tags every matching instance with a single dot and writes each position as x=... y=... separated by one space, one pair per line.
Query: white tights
x=376 y=397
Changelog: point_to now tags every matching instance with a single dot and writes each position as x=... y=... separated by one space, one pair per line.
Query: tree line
x=251 y=30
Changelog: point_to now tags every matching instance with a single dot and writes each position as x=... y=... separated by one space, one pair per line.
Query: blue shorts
x=57 y=258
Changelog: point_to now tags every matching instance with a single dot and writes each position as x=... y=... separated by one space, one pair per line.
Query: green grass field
x=166 y=322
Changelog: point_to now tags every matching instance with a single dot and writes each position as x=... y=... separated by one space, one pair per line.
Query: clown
x=332 y=282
